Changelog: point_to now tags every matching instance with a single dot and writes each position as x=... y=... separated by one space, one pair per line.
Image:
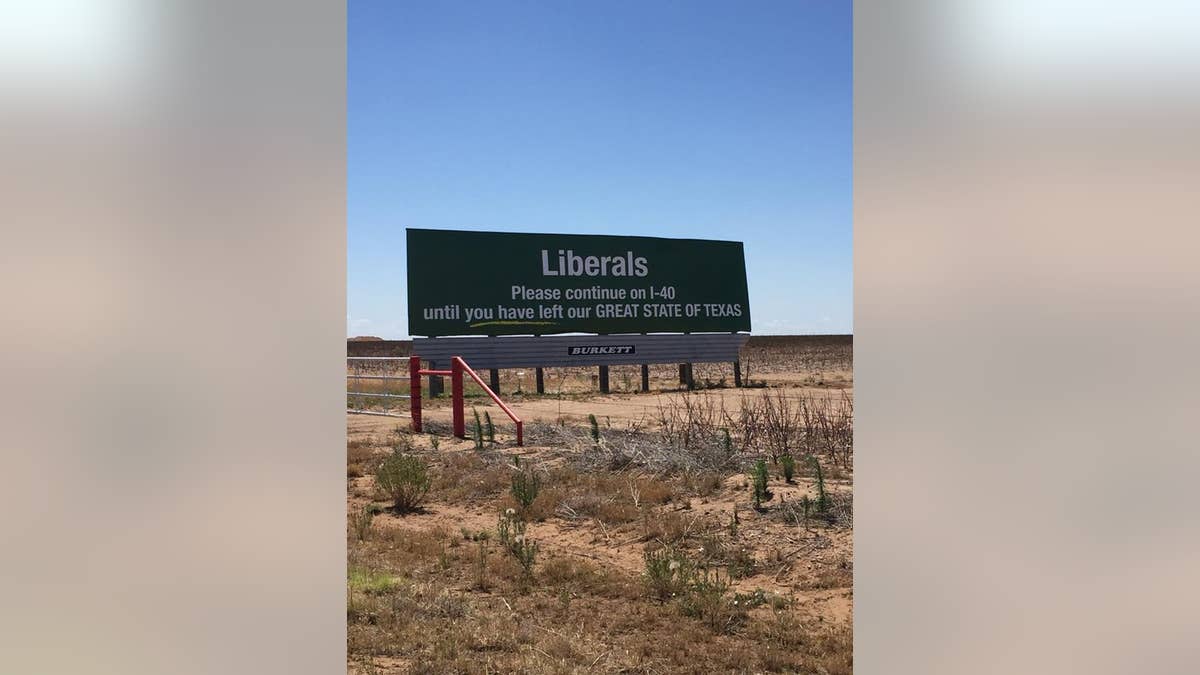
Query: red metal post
x=456 y=389
x=414 y=391
x=463 y=367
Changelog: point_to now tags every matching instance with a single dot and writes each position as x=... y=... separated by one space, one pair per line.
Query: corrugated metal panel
x=554 y=350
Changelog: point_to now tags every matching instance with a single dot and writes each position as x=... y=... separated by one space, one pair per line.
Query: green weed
x=405 y=479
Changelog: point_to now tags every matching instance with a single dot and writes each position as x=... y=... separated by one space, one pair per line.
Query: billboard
x=496 y=283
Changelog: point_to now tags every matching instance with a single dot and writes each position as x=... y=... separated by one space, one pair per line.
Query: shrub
x=362 y=521
x=789 y=467
x=595 y=428
x=741 y=563
x=511 y=532
x=712 y=549
x=707 y=600
x=668 y=573
x=491 y=428
x=525 y=485
x=755 y=598
x=761 y=493
x=478 y=431
x=434 y=442
x=405 y=480
x=823 y=502
x=400 y=441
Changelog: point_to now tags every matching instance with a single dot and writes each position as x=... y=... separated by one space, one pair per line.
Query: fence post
x=456 y=391
x=414 y=391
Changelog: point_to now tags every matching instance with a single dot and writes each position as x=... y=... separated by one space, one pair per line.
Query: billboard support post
x=737 y=373
x=541 y=380
x=603 y=379
x=414 y=400
x=456 y=389
x=645 y=377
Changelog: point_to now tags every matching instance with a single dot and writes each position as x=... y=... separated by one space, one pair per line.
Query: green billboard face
x=494 y=283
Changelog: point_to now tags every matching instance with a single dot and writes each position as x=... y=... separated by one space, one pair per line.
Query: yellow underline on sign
x=514 y=323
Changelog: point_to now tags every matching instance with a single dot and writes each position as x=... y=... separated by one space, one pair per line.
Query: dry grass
x=361 y=456
x=613 y=498
x=436 y=592
x=702 y=432
x=579 y=619
x=469 y=477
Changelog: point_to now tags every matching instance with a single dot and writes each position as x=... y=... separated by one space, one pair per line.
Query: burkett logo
x=605 y=350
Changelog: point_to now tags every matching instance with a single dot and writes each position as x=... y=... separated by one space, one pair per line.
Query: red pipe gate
x=457 y=368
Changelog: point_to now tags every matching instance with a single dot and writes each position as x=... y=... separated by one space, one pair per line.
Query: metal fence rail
x=380 y=377
x=378 y=365
x=380 y=369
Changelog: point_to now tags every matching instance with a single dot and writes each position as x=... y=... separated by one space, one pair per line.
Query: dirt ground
x=651 y=553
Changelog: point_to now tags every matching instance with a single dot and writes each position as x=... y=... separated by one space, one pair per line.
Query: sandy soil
x=803 y=566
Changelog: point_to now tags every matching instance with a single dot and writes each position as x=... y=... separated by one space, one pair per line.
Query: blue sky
x=675 y=119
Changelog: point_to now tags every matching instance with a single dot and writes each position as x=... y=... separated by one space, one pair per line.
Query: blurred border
x=174 y=270
x=1025 y=288
x=174 y=291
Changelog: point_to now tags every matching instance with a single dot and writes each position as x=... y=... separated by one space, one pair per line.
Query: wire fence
x=379 y=385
